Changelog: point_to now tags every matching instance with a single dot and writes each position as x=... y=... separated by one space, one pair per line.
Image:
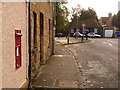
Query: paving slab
x=60 y=71
x=68 y=84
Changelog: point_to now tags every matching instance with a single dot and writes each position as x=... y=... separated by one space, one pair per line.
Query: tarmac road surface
x=97 y=62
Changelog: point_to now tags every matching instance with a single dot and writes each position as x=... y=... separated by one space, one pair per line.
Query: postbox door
x=18 y=48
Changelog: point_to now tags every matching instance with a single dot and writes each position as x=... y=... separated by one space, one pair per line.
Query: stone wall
x=44 y=48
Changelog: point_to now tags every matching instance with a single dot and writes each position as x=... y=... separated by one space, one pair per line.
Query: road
x=97 y=62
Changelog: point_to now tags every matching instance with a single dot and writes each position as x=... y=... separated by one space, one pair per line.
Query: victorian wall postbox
x=18 y=48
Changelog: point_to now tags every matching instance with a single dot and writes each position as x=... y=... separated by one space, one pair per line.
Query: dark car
x=58 y=35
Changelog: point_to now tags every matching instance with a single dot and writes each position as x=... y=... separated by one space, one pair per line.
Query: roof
x=104 y=19
x=90 y=23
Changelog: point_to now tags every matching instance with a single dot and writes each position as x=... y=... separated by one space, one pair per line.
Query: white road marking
x=110 y=44
x=104 y=42
x=75 y=52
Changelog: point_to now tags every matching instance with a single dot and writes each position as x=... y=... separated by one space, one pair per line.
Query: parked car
x=93 y=35
x=58 y=35
x=117 y=33
x=77 y=34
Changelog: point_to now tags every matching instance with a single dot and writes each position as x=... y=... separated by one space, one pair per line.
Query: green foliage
x=75 y=14
x=82 y=14
x=61 y=16
x=88 y=14
x=62 y=22
x=116 y=20
x=118 y=15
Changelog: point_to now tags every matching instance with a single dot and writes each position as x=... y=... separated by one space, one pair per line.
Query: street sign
x=83 y=25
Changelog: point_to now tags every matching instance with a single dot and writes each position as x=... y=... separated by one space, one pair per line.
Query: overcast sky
x=102 y=7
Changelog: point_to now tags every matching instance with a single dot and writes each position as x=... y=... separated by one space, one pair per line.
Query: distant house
x=91 y=25
x=106 y=23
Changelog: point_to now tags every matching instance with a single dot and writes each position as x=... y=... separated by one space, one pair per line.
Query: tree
x=88 y=14
x=116 y=20
x=82 y=14
x=75 y=14
x=61 y=17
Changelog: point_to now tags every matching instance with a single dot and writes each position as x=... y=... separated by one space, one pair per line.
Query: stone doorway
x=41 y=38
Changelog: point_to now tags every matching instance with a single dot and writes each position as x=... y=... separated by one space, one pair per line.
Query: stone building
x=41 y=34
x=26 y=40
x=106 y=21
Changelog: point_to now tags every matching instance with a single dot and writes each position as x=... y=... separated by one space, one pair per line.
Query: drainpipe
x=27 y=59
x=54 y=26
x=29 y=46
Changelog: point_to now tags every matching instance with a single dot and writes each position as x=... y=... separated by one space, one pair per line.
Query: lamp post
x=77 y=16
x=54 y=27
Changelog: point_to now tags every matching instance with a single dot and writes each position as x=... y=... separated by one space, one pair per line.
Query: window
x=41 y=36
x=41 y=23
x=35 y=28
x=49 y=30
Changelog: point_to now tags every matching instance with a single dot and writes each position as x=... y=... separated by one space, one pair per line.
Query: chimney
x=109 y=15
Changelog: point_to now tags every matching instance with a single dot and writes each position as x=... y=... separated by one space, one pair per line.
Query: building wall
x=109 y=22
x=14 y=18
x=0 y=45
x=46 y=9
x=100 y=20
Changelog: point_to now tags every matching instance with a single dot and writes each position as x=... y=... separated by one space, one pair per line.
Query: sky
x=102 y=7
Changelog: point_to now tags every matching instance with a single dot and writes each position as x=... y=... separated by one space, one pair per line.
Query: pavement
x=60 y=71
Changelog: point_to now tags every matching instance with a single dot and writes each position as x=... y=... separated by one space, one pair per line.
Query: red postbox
x=18 y=48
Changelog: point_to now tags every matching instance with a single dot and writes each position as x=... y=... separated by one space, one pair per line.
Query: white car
x=93 y=35
x=77 y=34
